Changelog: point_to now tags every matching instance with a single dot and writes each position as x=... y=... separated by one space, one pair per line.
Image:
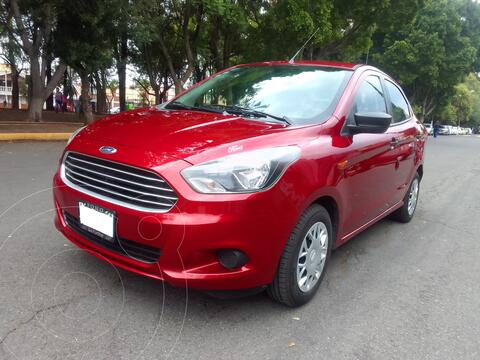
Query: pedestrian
x=58 y=101
x=64 y=103
x=436 y=128
x=5 y=103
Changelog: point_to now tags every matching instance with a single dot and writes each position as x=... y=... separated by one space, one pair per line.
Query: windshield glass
x=301 y=94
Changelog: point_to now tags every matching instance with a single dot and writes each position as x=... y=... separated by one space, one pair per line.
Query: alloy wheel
x=312 y=256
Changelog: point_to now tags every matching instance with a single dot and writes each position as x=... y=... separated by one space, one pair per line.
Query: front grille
x=122 y=184
x=124 y=247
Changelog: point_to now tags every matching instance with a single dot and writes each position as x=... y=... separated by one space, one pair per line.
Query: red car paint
x=360 y=178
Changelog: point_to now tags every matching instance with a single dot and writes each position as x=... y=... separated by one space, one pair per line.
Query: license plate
x=97 y=220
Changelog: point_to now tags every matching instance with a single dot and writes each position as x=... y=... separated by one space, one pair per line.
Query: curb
x=41 y=123
x=34 y=136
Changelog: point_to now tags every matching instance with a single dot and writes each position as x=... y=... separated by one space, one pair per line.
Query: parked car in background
x=451 y=130
x=429 y=128
x=443 y=130
x=246 y=181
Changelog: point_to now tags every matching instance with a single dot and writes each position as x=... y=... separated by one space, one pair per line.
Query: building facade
x=6 y=88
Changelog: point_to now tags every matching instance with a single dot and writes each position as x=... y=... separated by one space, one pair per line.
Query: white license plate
x=96 y=218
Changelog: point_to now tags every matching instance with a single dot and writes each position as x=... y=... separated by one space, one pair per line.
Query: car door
x=369 y=173
x=404 y=133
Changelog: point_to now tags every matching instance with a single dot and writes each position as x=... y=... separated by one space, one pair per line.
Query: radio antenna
x=292 y=60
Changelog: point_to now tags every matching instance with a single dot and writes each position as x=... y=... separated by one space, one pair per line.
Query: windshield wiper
x=235 y=109
x=181 y=106
x=232 y=109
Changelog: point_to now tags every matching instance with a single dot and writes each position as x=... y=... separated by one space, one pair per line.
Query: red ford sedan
x=246 y=181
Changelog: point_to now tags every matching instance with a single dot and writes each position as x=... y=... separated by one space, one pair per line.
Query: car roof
x=336 y=64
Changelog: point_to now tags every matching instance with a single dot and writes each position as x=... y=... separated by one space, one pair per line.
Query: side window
x=400 y=109
x=370 y=97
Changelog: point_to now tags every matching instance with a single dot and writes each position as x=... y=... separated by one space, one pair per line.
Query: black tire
x=402 y=214
x=284 y=288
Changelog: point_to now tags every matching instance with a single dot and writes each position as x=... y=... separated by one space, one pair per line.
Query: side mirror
x=370 y=123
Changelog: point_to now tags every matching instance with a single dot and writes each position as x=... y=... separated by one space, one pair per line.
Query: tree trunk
x=122 y=70
x=101 y=100
x=164 y=94
x=156 y=91
x=178 y=87
x=38 y=91
x=33 y=49
x=35 y=105
x=101 y=86
x=86 y=115
x=122 y=83
x=35 y=109
x=214 y=42
x=15 y=89
x=48 y=73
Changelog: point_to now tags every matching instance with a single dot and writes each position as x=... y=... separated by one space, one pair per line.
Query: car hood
x=180 y=134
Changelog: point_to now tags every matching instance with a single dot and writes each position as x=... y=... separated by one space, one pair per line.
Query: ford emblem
x=108 y=150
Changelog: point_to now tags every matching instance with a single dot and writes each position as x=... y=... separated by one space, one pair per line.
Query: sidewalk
x=14 y=126
x=36 y=131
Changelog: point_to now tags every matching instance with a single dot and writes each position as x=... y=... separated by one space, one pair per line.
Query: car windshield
x=293 y=93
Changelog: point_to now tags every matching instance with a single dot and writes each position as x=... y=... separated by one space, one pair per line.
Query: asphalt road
x=394 y=292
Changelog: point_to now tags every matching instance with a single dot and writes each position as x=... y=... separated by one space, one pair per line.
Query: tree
x=469 y=12
x=448 y=114
x=120 y=33
x=473 y=84
x=462 y=101
x=438 y=30
x=345 y=27
x=32 y=27
x=12 y=55
x=85 y=53
x=112 y=85
x=228 y=25
x=148 y=57
x=142 y=87
x=175 y=26
x=101 y=83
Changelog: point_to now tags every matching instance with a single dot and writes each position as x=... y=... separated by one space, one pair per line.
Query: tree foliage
x=430 y=55
x=429 y=46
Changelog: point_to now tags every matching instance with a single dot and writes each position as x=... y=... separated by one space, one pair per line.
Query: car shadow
x=344 y=262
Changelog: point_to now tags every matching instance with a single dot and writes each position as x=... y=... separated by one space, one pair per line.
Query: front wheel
x=406 y=212
x=304 y=259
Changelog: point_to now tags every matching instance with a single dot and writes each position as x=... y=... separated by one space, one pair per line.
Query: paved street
x=394 y=292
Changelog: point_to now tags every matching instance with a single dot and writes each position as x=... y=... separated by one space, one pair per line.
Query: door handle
x=394 y=143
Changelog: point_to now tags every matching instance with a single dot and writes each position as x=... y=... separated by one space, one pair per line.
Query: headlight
x=75 y=133
x=249 y=171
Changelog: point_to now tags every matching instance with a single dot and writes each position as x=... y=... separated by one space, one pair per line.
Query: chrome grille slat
x=129 y=186
x=119 y=179
x=118 y=194
x=121 y=187
x=113 y=169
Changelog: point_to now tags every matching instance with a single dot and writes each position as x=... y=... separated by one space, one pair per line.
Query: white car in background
x=115 y=110
x=443 y=130
x=451 y=130
x=429 y=128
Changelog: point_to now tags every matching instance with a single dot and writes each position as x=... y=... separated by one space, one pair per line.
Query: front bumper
x=189 y=236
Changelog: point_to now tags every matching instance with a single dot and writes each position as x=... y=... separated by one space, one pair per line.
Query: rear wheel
x=304 y=259
x=406 y=212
